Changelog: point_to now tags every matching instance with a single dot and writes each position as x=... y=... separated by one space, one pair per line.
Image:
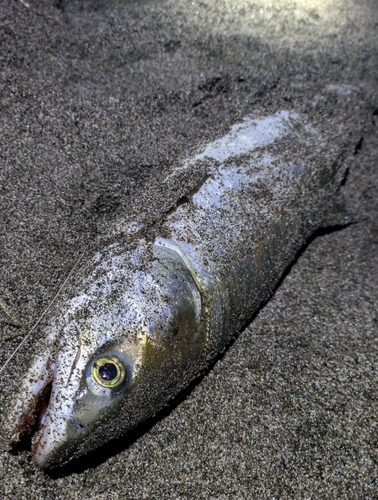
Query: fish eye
x=109 y=372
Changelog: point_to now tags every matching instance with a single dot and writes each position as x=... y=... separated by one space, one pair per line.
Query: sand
x=100 y=97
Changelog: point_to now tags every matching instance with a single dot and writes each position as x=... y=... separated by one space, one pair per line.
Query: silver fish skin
x=155 y=305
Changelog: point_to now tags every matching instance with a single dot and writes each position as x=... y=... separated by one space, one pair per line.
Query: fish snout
x=55 y=443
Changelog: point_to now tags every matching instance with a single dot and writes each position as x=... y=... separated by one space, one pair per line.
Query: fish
x=147 y=311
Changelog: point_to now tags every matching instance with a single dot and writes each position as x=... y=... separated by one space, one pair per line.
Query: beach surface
x=99 y=98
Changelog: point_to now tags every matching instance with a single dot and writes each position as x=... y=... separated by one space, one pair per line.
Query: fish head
x=128 y=343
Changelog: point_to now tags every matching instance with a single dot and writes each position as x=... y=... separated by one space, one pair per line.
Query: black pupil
x=108 y=371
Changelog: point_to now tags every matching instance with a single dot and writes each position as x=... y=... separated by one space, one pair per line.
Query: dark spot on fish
x=78 y=425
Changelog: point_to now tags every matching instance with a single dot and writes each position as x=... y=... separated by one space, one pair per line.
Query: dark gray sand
x=100 y=97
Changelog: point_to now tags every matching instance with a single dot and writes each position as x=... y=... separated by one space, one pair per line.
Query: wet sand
x=100 y=97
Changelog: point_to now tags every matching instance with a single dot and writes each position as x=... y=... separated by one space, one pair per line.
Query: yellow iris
x=108 y=371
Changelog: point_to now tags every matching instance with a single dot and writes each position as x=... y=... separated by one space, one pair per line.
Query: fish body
x=158 y=302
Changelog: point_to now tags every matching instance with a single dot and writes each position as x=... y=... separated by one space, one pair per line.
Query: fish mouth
x=34 y=415
x=42 y=409
x=47 y=434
